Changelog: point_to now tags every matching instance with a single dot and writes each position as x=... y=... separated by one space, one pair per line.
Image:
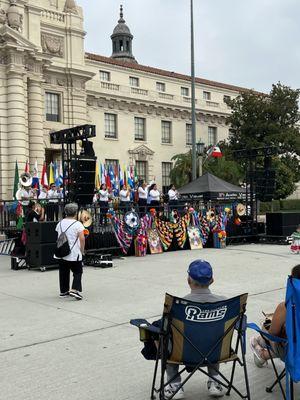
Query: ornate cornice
x=155 y=110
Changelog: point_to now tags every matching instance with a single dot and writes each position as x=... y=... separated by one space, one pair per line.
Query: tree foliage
x=181 y=172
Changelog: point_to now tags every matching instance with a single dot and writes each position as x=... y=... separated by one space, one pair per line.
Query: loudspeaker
x=40 y=255
x=282 y=224
x=82 y=164
x=82 y=180
x=265 y=184
x=41 y=232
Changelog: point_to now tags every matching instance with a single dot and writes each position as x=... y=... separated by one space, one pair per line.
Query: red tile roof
x=161 y=72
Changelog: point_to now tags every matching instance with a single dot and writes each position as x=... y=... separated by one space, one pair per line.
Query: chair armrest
x=266 y=334
x=144 y=324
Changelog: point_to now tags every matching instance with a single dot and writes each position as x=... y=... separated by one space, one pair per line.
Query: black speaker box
x=41 y=232
x=82 y=199
x=81 y=164
x=40 y=255
x=282 y=224
x=84 y=177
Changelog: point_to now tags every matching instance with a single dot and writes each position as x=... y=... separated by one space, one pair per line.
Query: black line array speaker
x=82 y=185
x=41 y=254
x=41 y=232
x=282 y=224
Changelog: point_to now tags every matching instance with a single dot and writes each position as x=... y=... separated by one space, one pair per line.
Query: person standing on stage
x=173 y=196
x=103 y=202
x=54 y=196
x=43 y=193
x=154 y=196
x=143 y=195
x=34 y=213
x=74 y=231
x=124 y=198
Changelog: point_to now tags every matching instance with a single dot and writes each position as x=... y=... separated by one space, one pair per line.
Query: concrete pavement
x=57 y=349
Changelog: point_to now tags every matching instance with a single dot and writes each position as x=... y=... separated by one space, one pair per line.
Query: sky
x=252 y=43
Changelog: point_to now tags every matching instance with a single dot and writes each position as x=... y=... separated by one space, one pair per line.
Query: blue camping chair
x=291 y=370
x=198 y=335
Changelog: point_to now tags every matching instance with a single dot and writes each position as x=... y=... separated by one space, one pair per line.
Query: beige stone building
x=48 y=82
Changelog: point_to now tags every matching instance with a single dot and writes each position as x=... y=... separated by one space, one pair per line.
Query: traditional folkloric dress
x=295 y=247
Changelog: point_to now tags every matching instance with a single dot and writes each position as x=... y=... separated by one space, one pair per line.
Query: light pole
x=193 y=100
x=200 y=151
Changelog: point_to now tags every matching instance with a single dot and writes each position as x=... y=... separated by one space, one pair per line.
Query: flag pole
x=193 y=100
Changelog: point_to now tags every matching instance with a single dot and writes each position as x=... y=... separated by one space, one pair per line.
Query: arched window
x=121 y=45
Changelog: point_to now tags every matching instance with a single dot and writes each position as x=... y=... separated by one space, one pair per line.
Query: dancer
x=295 y=247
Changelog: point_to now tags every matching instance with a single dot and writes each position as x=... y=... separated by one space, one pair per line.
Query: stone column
x=35 y=121
x=16 y=124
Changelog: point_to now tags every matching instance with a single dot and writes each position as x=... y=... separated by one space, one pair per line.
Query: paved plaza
x=58 y=349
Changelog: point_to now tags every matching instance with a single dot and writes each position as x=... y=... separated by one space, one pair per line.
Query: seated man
x=200 y=277
x=277 y=328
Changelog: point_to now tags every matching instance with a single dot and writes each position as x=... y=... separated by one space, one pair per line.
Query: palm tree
x=181 y=172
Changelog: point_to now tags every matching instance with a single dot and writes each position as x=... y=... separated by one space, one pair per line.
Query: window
x=105 y=76
x=185 y=91
x=52 y=107
x=160 y=86
x=112 y=162
x=139 y=129
x=206 y=95
x=212 y=135
x=166 y=180
x=142 y=170
x=189 y=139
x=110 y=125
x=166 y=132
x=226 y=98
x=134 y=81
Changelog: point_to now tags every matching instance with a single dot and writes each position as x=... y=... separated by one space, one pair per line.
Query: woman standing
x=74 y=230
x=124 y=198
x=154 y=196
x=103 y=203
x=173 y=197
x=143 y=195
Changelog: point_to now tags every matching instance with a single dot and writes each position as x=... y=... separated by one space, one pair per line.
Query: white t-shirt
x=103 y=195
x=53 y=196
x=143 y=194
x=173 y=194
x=42 y=195
x=154 y=195
x=72 y=235
x=124 y=195
x=23 y=194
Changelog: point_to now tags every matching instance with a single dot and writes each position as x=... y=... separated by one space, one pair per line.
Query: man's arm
x=81 y=241
x=278 y=320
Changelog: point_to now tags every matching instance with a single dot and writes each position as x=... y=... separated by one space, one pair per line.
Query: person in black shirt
x=34 y=213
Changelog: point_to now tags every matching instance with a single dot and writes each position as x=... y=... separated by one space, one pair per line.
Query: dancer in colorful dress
x=295 y=247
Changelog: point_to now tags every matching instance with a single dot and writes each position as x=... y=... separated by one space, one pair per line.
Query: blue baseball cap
x=200 y=271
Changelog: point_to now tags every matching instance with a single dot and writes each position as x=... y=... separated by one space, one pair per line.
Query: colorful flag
x=61 y=174
x=102 y=173
x=51 y=173
x=216 y=152
x=16 y=180
x=26 y=167
x=56 y=174
x=44 y=179
x=97 y=177
x=35 y=178
x=121 y=177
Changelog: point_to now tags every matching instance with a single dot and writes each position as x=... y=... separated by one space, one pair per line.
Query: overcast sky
x=250 y=43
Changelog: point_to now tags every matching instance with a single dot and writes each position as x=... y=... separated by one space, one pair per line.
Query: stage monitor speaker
x=281 y=224
x=41 y=255
x=41 y=232
x=83 y=164
x=81 y=189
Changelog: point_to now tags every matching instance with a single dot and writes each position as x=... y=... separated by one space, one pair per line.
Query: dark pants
x=52 y=210
x=103 y=212
x=65 y=267
x=143 y=206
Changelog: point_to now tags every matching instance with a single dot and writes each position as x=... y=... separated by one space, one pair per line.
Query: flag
x=97 y=177
x=107 y=177
x=56 y=174
x=61 y=174
x=130 y=177
x=51 y=173
x=26 y=167
x=136 y=178
x=44 y=179
x=16 y=180
x=35 y=178
x=121 y=177
x=111 y=176
x=102 y=173
x=216 y=152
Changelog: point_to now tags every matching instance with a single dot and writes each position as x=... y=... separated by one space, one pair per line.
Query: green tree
x=260 y=120
x=181 y=172
x=228 y=170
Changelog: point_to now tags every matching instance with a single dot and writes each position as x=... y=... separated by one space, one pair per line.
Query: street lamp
x=193 y=100
x=200 y=146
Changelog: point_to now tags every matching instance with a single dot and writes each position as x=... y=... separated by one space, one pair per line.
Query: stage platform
x=53 y=348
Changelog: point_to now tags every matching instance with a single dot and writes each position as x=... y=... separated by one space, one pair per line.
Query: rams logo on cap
x=196 y=314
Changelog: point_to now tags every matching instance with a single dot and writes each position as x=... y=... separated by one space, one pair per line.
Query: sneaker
x=215 y=389
x=76 y=295
x=64 y=294
x=171 y=389
x=255 y=347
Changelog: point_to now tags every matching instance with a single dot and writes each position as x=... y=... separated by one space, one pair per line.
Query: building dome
x=122 y=41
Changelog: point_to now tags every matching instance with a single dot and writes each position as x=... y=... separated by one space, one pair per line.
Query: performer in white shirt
x=54 y=195
x=125 y=198
x=173 y=196
x=23 y=195
x=103 y=202
x=43 y=194
x=154 y=196
x=143 y=195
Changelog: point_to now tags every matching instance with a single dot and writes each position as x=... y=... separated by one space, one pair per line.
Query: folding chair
x=198 y=335
x=291 y=371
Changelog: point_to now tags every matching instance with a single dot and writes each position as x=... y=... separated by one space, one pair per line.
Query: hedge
x=278 y=205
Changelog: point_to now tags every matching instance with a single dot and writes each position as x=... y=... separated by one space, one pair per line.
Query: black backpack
x=62 y=244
